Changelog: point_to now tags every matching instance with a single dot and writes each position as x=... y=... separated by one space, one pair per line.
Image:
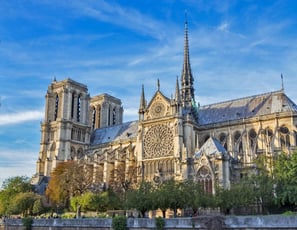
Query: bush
x=160 y=223
x=119 y=223
x=27 y=222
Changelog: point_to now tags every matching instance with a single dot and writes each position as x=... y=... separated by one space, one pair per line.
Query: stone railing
x=200 y=222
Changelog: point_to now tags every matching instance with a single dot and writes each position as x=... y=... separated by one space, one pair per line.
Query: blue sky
x=237 y=49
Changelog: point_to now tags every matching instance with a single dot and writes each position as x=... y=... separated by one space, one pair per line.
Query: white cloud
x=20 y=117
x=224 y=27
x=17 y=163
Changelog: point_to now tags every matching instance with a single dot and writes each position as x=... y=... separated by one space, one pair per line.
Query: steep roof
x=211 y=147
x=246 y=107
x=120 y=132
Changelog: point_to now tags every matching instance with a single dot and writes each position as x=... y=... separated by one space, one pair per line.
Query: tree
x=23 y=203
x=285 y=178
x=240 y=194
x=193 y=195
x=169 y=195
x=38 y=207
x=11 y=187
x=140 y=198
x=69 y=179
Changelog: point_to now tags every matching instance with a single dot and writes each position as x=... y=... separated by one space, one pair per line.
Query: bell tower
x=65 y=132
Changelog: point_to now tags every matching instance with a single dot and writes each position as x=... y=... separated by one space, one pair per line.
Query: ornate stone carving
x=158 y=142
x=157 y=110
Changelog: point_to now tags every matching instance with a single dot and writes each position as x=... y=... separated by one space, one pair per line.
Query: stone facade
x=173 y=137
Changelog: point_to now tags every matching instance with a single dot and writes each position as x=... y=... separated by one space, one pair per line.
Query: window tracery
x=253 y=141
x=204 y=178
x=158 y=142
x=284 y=137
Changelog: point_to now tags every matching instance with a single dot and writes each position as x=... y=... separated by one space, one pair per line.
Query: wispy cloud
x=20 y=117
x=223 y=27
x=116 y=14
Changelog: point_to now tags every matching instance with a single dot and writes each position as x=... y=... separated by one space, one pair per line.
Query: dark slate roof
x=247 y=107
x=211 y=147
x=121 y=132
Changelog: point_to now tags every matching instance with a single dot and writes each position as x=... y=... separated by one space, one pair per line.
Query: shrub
x=119 y=223
x=27 y=222
x=160 y=223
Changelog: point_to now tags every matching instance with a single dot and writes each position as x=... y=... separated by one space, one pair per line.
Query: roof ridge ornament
x=158 y=84
x=282 y=79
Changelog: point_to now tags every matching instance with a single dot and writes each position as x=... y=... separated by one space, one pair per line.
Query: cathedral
x=173 y=138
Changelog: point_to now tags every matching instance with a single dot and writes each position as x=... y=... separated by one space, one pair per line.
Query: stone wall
x=201 y=222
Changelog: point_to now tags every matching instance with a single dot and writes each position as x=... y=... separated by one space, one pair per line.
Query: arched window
x=99 y=116
x=78 y=111
x=72 y=153
x=114 y=116
x=56 y=107
x=253 y=141
x=204 y=178
x=268 y=134
x=93 y=117
x=238 y=143
x=223 y=140
x=72 y=104
x=284 y=137
x=72 y=133
x=79 y=153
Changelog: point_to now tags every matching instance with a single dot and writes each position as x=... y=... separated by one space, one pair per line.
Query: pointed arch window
x=284 y=137
x=72 y=104
x=253 y=141
x=99 y=116
x=72 y=153
x=80 y=153
x=268 y=135
x=93 y=117
x=56 y=107
x=238 y=143
x=78 y=111
x=204 y=178
x=114 y=116
x=223 y=140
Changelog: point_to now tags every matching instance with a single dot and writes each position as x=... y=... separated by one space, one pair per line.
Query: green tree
x=23 y=203
x=11 y=187
x=38 y=207
x=169 y=195
x=285 y=178
x=193 y=195
x=140 y=198
x=239 y=195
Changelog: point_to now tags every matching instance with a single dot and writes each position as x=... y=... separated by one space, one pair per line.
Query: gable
x=212 y=147
x=158 y=107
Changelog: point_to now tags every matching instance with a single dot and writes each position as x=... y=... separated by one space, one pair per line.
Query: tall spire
x=187 y=89
x=142 y=101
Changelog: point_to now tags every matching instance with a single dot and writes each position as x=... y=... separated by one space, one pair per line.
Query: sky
x=237 y=49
